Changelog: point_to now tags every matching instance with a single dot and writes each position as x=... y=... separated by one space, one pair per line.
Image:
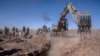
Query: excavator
x=82 y=20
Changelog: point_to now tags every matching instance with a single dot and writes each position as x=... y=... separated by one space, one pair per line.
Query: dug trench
x=35 y=53
x=43 y=52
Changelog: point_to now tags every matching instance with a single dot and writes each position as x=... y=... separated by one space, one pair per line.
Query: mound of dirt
x=35 y=47
x=86 y=47
x=76 y=45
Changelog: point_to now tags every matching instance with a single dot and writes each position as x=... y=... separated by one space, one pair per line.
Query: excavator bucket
x=84 y=23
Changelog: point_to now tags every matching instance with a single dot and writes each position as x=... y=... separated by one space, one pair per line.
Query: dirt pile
x=86 y=47
x=59 y=45
x=29 y=47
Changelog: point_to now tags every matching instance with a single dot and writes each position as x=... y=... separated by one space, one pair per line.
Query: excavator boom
x=82 y=19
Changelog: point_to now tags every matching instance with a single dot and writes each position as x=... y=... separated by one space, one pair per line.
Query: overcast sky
x=35 y=13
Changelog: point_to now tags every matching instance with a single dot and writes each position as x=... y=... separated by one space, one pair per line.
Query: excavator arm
x=62 y=21
x=82 y=19
x=63 y=14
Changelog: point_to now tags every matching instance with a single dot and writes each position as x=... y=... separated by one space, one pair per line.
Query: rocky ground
x=72 y=44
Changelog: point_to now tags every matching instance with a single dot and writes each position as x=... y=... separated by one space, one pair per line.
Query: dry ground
x=72 y=45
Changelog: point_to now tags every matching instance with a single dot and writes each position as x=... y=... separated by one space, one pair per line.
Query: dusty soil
x=71 y=45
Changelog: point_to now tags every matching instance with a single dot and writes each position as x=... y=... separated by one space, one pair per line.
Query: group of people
x=16 y=32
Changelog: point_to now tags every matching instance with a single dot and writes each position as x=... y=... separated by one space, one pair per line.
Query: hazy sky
x=35 y=13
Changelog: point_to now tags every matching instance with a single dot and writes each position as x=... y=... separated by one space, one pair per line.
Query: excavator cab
x=63 y=24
